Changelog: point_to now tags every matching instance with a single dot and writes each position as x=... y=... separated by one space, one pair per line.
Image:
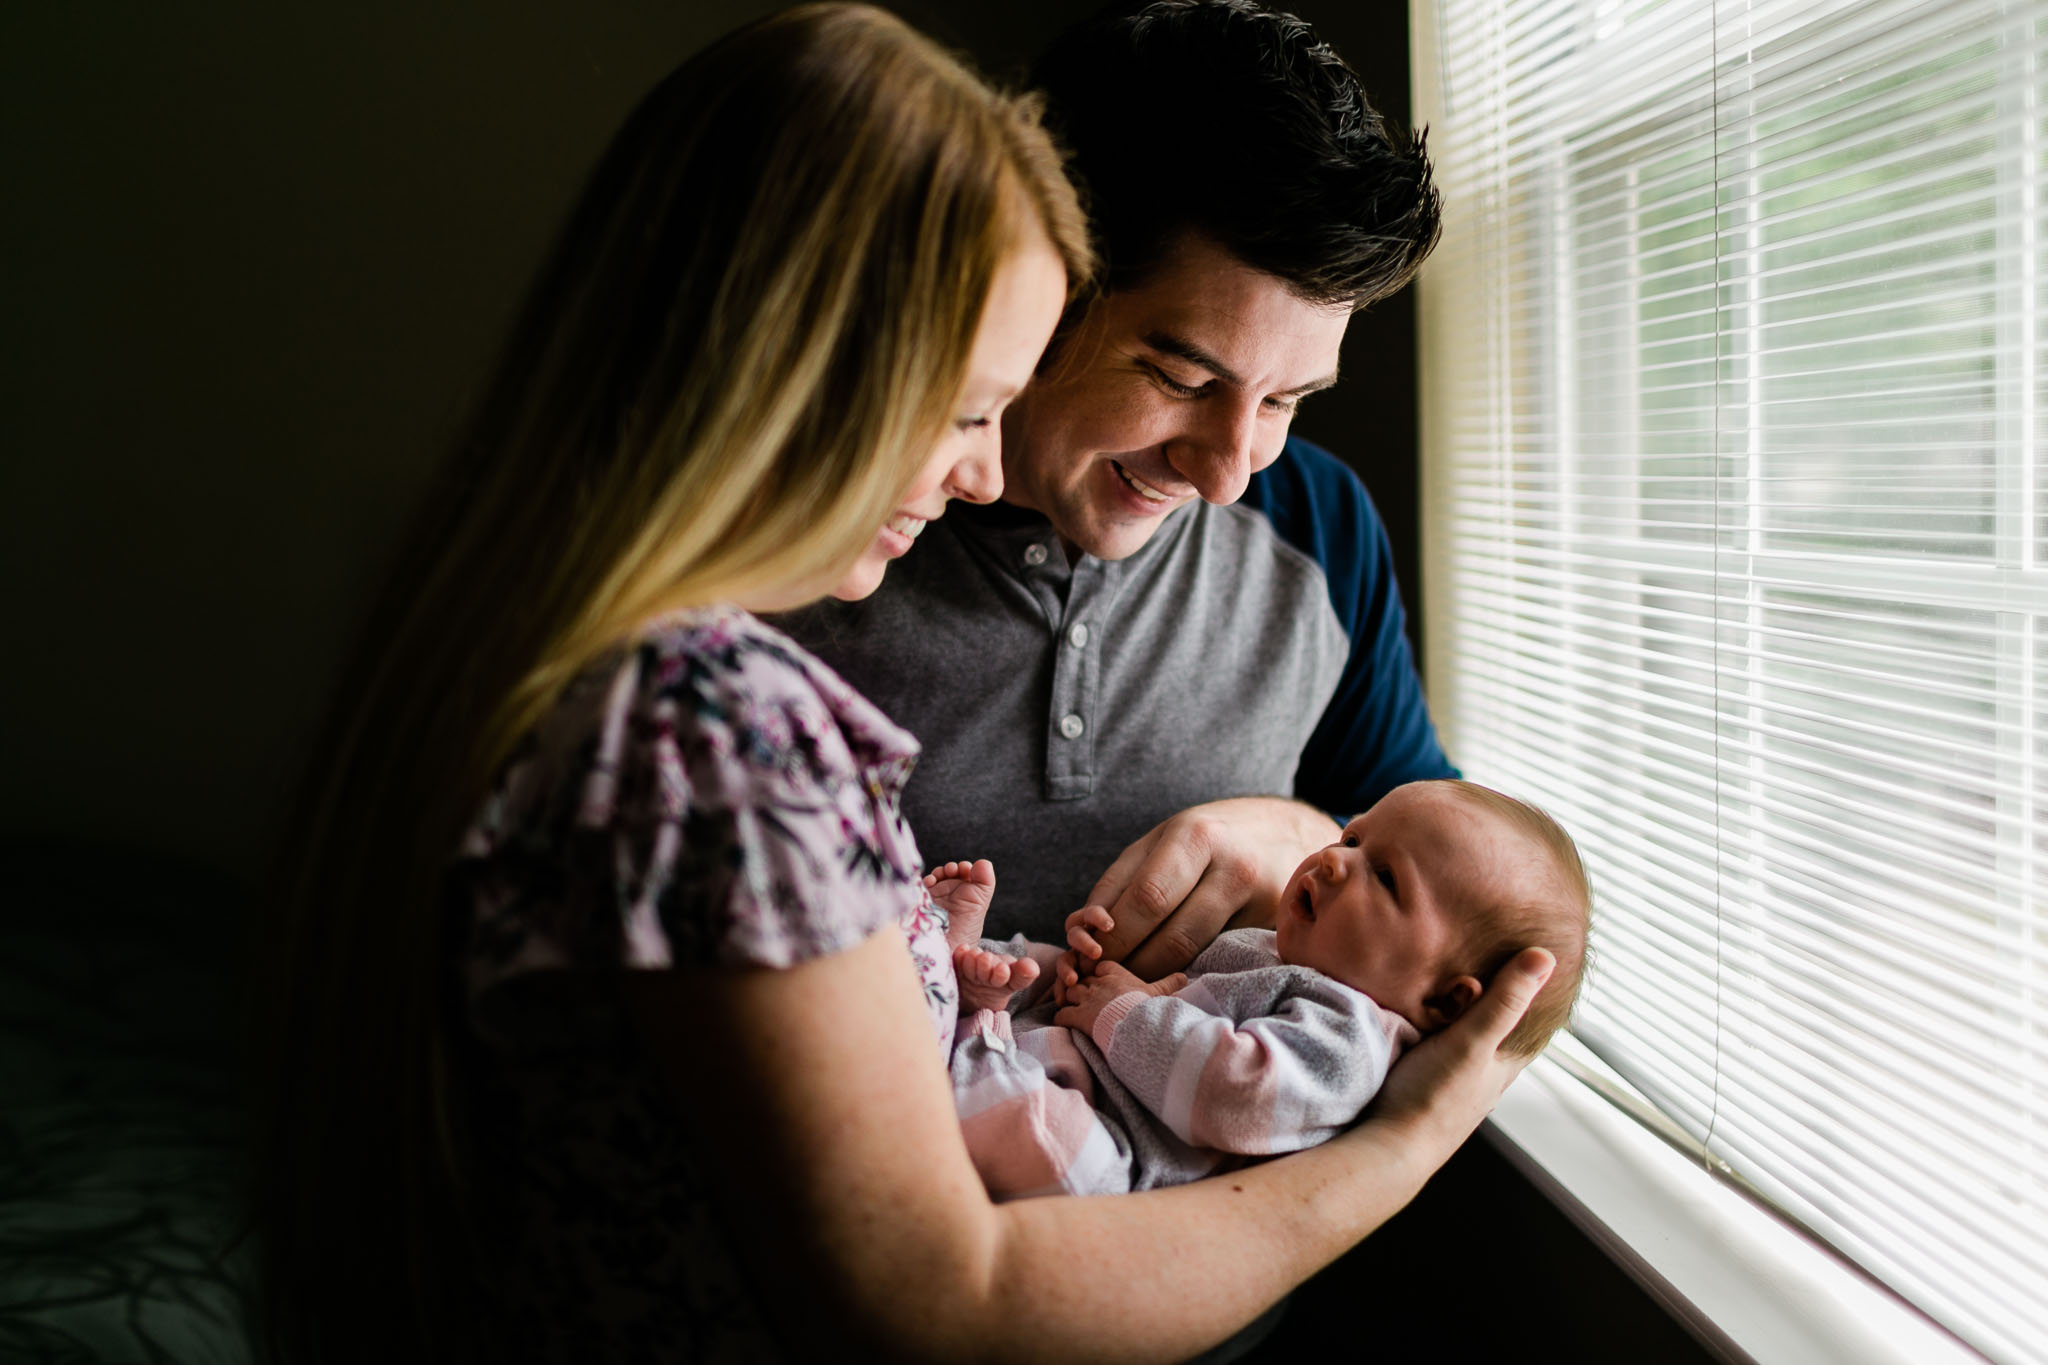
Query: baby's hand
x=1083 y=952
x=1086 y=996
x=1082 y=927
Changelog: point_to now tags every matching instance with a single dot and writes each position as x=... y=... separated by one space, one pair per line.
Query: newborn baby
x=1273 y=1040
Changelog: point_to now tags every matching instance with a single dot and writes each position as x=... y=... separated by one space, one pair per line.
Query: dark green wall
x=258 y=257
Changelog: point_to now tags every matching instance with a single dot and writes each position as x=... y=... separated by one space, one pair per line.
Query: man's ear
x=1452 y=999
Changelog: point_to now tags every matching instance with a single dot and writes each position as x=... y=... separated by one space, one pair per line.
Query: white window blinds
x=1735 y=358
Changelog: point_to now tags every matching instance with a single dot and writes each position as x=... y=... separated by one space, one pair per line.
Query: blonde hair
x=1559 y=922
x=749 y=337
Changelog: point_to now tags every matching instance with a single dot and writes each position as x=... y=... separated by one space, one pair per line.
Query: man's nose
x=1217 y=454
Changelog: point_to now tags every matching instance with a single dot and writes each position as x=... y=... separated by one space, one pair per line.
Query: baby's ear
x=1452 y=999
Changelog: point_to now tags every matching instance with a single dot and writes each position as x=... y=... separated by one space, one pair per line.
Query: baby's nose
x=1333 y=863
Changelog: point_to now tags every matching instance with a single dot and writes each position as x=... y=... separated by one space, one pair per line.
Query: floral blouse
x=715 y=797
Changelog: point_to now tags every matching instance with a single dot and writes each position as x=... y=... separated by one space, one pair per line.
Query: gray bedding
x=118 y=1113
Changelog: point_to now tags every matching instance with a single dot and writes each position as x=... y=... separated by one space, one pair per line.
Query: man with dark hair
x=1237 y=124
x=1176 y=648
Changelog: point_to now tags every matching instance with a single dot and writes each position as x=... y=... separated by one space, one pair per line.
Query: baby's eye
x=1350 y=840
x=1385 y=875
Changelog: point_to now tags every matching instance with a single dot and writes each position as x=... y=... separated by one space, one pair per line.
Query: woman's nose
x=978 y=477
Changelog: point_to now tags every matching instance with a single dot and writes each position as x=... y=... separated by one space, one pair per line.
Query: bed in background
x=119 y=1111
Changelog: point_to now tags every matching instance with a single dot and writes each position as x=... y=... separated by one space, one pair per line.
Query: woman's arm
x=861 y=1216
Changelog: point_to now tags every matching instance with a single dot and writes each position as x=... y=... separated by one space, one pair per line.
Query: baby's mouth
x=1305 y=901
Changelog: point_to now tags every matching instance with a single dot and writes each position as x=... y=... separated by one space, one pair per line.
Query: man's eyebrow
x=1166 y=343
x=1313 y=386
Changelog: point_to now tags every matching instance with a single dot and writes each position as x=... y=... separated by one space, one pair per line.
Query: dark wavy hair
x=1237 y=123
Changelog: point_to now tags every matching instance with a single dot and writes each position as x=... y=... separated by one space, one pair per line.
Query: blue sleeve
x=1376 y=733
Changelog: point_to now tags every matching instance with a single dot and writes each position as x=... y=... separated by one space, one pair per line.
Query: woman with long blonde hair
x=605 y=988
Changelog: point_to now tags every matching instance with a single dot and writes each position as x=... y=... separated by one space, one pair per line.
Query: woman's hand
x=1445 y=1086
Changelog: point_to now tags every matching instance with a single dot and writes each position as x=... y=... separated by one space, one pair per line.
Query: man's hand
x=1088 y=994
x=1222 y=865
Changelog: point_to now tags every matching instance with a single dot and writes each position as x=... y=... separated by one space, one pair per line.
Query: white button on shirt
x=1077 y=635
x=1071 y=725
x=1034 y=555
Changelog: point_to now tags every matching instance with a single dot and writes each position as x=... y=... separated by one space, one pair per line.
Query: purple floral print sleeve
x=714 y=797
x=718 y=797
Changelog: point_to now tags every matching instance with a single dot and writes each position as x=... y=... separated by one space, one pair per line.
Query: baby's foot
x=988 y=980
x=963 y=891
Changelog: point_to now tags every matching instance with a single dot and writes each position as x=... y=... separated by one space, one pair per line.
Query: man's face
x=1181 y=388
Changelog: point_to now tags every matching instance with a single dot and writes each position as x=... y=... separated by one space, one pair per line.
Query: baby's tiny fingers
x=1063 y=975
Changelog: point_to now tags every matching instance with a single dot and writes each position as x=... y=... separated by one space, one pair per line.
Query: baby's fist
x=1089 y=995
x=1082 y=927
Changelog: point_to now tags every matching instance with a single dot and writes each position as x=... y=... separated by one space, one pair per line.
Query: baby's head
x=1428 y=894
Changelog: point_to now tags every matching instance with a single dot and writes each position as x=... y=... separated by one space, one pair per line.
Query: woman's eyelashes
x=973 y=423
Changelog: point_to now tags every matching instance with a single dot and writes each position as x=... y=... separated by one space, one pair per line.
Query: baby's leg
x=1026 y=1133
x=963 y=891
x=987 y=978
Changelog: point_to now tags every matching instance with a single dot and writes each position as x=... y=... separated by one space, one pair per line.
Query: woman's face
x=1024 y=303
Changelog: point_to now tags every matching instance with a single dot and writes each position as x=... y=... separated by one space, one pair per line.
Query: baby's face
x=1384 y=909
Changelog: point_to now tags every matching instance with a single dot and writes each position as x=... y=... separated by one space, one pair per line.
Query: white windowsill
x=1769 y=1290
